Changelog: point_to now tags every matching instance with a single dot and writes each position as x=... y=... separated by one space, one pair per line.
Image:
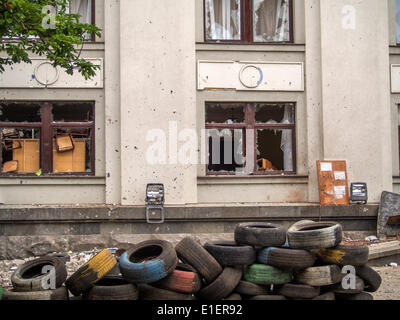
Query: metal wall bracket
x=150 y=212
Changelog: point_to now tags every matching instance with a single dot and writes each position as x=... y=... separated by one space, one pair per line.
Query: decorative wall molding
x=253 y=76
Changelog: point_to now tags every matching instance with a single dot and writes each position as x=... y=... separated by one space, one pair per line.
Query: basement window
x=268 y=129
x=45 y=138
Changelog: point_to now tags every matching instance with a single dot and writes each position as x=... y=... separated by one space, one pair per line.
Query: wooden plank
x=332 y=183
x=28 y=156
x=70 y=161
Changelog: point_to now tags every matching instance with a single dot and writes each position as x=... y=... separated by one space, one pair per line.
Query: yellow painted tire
x=91 y=272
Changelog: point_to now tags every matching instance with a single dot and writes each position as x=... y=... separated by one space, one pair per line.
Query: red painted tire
x=183 y=279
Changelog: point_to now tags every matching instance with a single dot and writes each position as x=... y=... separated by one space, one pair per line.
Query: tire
x=319 y=276
x=344 y=255
x=286 y=258
x=229 y=253
x=194 y=254
x=338 y=288
x=91 y=272
x=260 y=234
x=112 y=289
x=57 y=294
x=223 y=286
x=326 y=296
x=148 y=261
x=29 y=277
x=358 y=296
x=183 y=279
x=148 y=292
x=234 y=297
x=250 y=289
x=299 y=291
x=315 y=235
x=268 y=297
x=265 y=275
x=371 y=278
x=63 y=256
x=114 y=272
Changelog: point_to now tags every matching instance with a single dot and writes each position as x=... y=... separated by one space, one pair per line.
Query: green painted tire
x=263 y=274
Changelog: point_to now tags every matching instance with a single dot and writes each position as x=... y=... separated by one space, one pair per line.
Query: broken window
x=222 y=19
x=273 y=127
x=47 y=138
x=248 y=20
x=271 y=21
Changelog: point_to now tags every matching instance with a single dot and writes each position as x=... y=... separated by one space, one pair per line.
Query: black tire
x=250 y=289
x=268 y=297
x=223 y=286
x=57 y=294
x=148 y=292
x=194 y=254
x=148 y=261
x=229 y=253
x=344 y=255
x=315 y=235
x=260 y=234
x=29 y=277
x=299 y=291
x=319 y=276
x=371 y=278
x=112 y=289
x=358 y=296
x=286 y=258
x=326 y=296
x=91 y=272
x=234 y=296
x=63 y=256
x=359 y=287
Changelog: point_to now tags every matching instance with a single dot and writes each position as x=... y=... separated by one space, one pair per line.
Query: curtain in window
x=287 y=141
x=84 y=8
x=223 y=19
x=271 y=20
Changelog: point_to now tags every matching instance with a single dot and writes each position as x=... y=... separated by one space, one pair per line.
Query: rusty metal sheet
x=332 y=183
x=389 y=211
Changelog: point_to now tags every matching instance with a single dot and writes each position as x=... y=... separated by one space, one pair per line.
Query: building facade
x=288 y=82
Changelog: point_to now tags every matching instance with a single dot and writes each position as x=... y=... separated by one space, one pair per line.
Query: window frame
x=246 y=25
x=46 y=127
x=250 y=123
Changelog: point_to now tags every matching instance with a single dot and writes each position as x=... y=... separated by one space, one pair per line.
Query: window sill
x=229 y=46
x=252 y=179
x=51 y=180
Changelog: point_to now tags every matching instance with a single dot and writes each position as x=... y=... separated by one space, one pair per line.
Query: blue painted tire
x=148 y=261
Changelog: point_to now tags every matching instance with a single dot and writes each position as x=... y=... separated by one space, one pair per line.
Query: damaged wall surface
x=149 y=92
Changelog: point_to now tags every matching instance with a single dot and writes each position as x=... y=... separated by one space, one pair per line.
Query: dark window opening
x=225 y=150
x=20 y=112
x=225 y=113
x=273 y=147
x=72 y=112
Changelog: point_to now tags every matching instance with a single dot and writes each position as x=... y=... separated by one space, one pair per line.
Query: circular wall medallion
x=251 y=76
x=46 y=74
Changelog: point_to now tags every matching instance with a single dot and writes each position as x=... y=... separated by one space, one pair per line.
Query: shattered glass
x=271 y=21
x=222 y=20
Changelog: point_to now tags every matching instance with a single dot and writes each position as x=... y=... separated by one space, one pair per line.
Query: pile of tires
x=264 y=262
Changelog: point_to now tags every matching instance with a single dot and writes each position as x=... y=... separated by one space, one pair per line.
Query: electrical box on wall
x=358 y=192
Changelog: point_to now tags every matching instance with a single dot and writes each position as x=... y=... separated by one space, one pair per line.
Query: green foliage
x=25 y=28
